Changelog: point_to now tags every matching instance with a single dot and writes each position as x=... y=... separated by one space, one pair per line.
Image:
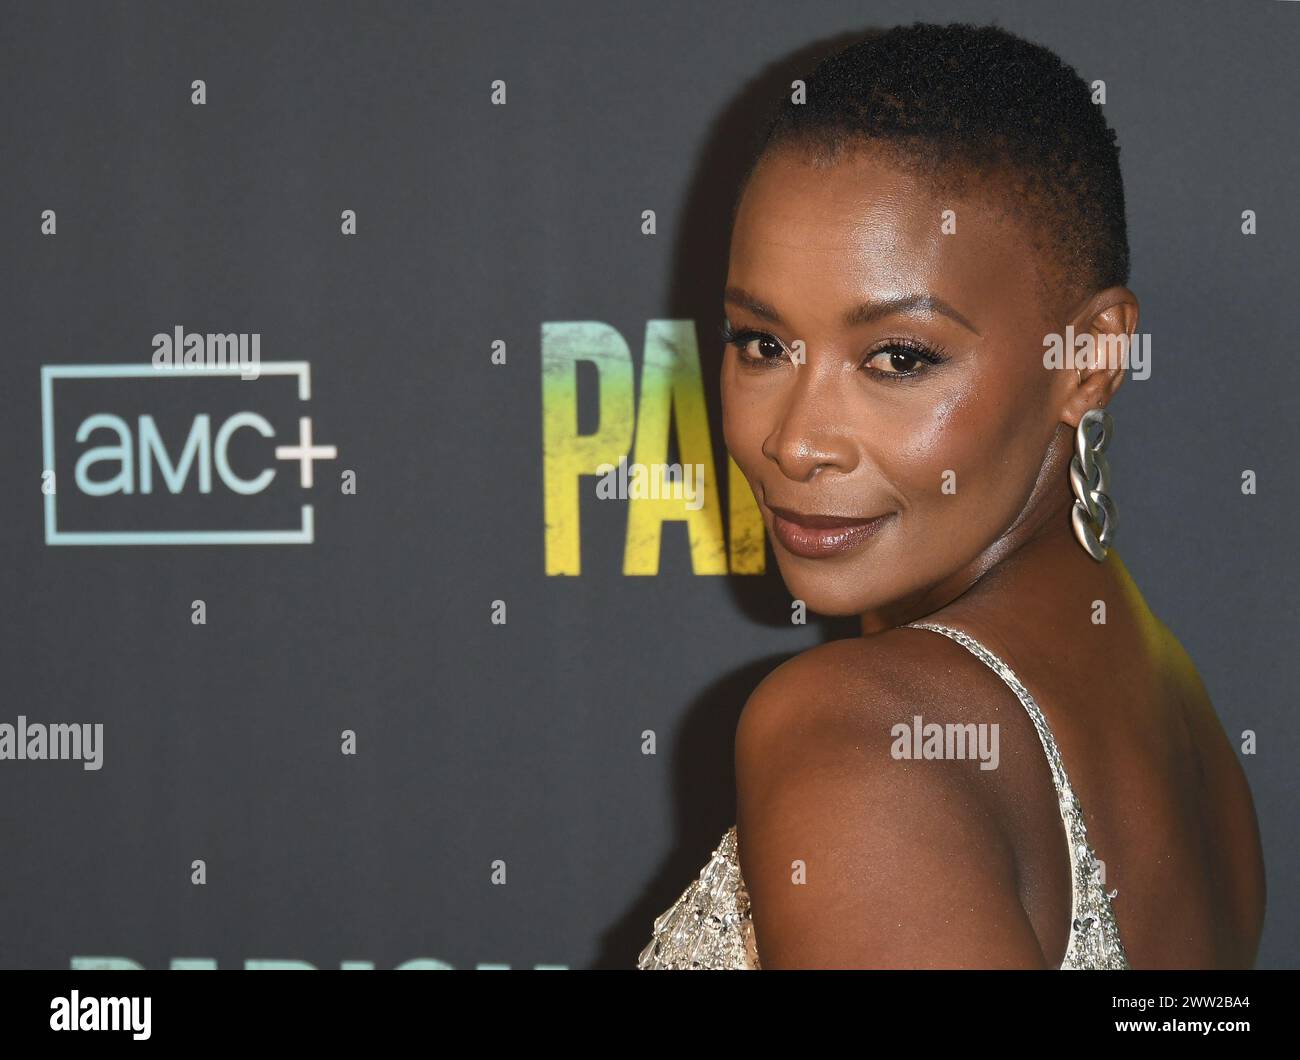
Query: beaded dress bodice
x=710 y=925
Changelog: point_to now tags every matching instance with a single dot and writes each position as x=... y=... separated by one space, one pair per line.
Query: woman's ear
x=1103 y=333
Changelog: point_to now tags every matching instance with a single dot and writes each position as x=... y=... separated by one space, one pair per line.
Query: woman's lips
x=817 y=536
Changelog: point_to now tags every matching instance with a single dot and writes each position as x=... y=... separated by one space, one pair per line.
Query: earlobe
x=1081 y=402
x=1090 y=390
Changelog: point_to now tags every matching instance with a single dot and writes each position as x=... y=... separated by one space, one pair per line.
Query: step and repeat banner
x=377 y=590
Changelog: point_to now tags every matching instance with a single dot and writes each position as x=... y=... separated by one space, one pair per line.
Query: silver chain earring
x=1094 y=515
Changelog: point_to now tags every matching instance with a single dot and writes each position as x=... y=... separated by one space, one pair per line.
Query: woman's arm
x=854 y=858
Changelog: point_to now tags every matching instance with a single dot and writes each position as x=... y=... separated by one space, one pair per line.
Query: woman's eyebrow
x=869 y=311
x=865 y=313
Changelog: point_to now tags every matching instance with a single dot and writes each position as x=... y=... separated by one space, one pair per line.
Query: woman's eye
x=755 y=347
x=895 y=361
x=762 y=348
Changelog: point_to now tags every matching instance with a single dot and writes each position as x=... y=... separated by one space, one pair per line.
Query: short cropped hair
x=959 y=101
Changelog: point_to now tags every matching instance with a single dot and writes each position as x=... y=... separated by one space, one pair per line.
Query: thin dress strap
x=1094 y=935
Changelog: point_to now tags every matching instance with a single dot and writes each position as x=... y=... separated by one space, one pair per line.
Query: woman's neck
x=1037 y=556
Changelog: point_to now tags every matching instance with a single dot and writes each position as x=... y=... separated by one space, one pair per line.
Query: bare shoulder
x=856 y=856
x=844 y=685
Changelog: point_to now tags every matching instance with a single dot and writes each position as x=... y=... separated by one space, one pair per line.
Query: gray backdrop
x=478 y=742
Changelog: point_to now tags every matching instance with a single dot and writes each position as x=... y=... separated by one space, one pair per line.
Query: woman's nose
x=812 y=432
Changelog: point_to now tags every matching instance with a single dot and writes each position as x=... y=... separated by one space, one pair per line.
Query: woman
x=913 y=238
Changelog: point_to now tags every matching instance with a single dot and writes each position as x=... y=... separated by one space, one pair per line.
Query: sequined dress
x=710 y=925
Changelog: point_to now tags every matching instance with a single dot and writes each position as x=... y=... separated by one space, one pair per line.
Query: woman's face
x=919 y=393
